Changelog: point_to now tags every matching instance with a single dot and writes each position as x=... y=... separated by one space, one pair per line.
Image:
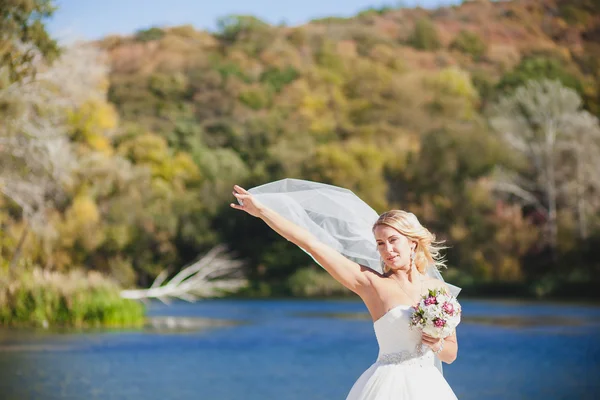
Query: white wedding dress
x=403 y=370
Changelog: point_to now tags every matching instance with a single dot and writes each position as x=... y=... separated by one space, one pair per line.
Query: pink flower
x=448 y=308
x=439 y=323
x=430 y=300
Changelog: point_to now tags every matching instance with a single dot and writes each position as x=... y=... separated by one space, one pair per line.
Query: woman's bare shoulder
x=375 y=278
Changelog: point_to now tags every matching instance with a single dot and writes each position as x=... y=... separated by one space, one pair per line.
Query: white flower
x=432 y=312
x=442 y=298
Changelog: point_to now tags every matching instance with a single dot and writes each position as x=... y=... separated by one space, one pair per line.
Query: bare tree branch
x=210 y=276
x=527 y=197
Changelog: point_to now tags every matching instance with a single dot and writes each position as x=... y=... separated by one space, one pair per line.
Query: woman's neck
x=405 y=276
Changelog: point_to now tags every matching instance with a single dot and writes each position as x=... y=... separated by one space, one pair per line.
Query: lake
x=298 y=350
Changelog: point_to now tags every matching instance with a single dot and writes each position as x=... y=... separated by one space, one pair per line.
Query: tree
x=425 y=36
x=232 y=27
x=538 y=67
x=584 y=144
x=245 y=32
x=470 y=43
x=454 y=92
x=150 y=34
x=23 y=37
x=541 y=122
x=36 y=154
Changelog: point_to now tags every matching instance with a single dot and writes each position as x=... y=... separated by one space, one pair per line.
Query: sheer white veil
x=336 y=216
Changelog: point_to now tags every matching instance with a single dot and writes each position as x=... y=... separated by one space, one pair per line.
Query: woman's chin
x=395 y=266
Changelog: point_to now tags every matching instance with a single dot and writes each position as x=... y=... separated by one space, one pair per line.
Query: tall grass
x=44 y=298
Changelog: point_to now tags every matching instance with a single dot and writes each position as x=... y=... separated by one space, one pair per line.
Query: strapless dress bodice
x=398 y=342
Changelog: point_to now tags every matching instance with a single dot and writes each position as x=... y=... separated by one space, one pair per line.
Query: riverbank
x=77 y=299
x=315 y=284
x=84 y=299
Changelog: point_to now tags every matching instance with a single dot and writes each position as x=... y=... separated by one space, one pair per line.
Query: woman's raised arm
x=348 y=273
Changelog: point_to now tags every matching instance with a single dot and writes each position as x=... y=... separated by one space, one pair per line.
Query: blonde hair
x=428 y=250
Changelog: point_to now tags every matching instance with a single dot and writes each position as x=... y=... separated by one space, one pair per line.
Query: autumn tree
x=544 y=124
x=36 y=151
x=24 y=38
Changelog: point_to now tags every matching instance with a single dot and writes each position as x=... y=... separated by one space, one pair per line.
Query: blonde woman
x=320 y=219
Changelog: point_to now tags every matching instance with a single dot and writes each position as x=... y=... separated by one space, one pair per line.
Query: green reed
x=43 y=298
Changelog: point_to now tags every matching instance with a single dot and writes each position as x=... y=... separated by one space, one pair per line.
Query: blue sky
x=88 y=19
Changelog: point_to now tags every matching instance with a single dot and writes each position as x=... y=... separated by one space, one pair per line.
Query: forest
x=118 y=156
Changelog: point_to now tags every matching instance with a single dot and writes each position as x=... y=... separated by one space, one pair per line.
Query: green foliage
x=484 y=84
x=328 y=57
x=244 y=32
x=538 y=68
x=22 y=22
x=425 y=36
x=228 y=69
x=447 y=190
x=233 y=27
x=577 y=14
x=329 y=20
x=222 y=167
x=45 y=298
x=366 y=39
x=168 y=86
x=375 y=11
x=186 y=31
x=279 y=78
x=150 y=34
x=455 y=93
x=255 y=98
x=312 y=282
x=358 y=165
x=469 y=43
x=454 y=82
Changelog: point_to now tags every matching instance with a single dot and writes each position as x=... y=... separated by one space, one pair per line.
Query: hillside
x=391 y=103
x=482 y=37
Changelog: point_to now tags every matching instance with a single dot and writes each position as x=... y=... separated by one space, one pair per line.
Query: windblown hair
x=428 y=250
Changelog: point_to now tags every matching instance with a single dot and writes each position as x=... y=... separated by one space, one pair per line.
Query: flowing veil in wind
x=336 y=216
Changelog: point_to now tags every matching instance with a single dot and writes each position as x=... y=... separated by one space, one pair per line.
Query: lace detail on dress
x=414 y=358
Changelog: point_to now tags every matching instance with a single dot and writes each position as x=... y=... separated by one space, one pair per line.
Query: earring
x=413 y=255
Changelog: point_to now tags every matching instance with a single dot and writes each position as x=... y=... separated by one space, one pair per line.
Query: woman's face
x=394 y=248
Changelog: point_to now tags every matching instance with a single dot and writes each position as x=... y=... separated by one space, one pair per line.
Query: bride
x=406 y=365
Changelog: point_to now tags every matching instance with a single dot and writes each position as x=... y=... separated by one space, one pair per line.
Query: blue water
x=290 y=350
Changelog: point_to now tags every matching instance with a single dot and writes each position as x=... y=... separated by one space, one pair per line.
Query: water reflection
x=23 y=339
x=507 y=321
x=172 y=325
x=529 y=321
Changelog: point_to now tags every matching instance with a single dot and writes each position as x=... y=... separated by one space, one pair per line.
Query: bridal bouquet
x=437 y=314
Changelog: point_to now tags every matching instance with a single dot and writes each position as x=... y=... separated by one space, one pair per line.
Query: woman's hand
x=433 y=343
x=248 y=202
